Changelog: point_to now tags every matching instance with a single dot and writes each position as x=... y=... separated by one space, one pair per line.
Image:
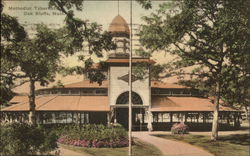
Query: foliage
x=35 y=60
x=79 y=31
x=24 y=139
x=212 y=37
x=5 y=94
x=11 y=32
x=139 y=149
x=146 y=4
x=179 y=128
x=93 y=136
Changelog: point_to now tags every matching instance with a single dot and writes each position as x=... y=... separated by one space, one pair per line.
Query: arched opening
x=138 y=112
x=123 y=98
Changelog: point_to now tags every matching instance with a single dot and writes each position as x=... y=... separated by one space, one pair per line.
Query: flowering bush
x=96 y=136
x=179 y=128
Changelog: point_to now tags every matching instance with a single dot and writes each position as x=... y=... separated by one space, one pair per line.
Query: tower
x=120 y=32
x=118 y=77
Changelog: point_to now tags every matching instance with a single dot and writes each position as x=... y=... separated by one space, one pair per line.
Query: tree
x=11 y=33
x=236 y=88
x=36 y=60
x=211 y=36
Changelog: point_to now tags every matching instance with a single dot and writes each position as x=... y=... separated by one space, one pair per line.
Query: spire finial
x=118 y=7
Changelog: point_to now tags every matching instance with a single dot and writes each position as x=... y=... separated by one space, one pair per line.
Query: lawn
x=139 y=149
x=231 y=145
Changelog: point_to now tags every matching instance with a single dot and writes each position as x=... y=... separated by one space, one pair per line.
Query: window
x=54 y=91
x=46 y=92
x=64 y=91
x=101 y=91
x=75 y=92
x=123 y=98
x=87 y=92
x=186 y=92
x=176 y=92
x=155 y=91
x=165 y=91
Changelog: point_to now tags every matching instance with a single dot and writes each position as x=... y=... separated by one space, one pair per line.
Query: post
x=130 y=87
x=108 y=119
x=186 y=117
x=150 y=119
x=32 y=105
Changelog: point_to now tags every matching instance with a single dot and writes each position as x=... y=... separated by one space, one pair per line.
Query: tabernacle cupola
x=119 y=27
x=121 y=33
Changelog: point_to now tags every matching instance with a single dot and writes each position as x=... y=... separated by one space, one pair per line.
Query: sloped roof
x=100 y=103
x=64 y=103
x=119 y=24
x=172 y=104
x=20 y=98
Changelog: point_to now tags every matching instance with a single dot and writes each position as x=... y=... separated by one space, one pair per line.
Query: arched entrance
x=123 y=98
x=121 y=110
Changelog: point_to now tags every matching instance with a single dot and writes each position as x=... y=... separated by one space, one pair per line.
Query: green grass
x=139 y=149
x=231 y=145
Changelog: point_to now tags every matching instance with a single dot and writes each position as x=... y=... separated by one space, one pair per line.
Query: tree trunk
x=216 y=112
x=32 y=109
x=247 y=113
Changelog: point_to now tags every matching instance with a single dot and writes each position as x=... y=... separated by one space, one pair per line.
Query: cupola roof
x=119 y=25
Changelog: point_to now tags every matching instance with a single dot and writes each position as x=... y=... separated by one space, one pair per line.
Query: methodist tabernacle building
x=156 y=105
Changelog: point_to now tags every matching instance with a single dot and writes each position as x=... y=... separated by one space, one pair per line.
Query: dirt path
x=246 y=131
x=170 y=147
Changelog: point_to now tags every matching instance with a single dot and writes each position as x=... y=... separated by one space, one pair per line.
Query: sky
x=101 y=12
x=31 y=12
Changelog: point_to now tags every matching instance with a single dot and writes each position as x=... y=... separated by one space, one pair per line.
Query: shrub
x=24 y=139
x=94 y=136
x=179 y=128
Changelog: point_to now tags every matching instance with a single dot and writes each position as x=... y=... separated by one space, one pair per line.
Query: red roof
x=100 y=103
x=119 y=24
x=18 y=99
x=64 y=103
x=175 y=104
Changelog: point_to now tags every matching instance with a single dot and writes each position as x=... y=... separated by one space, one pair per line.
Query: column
x=38 y=117
x=53 y=117
x=238 y=119
x=108 y=118
x=235 y=121
x=204 y=117
x=228 y=118
x=150 y=118
x=186 y=117
x=171 y=117
x=78 y=118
